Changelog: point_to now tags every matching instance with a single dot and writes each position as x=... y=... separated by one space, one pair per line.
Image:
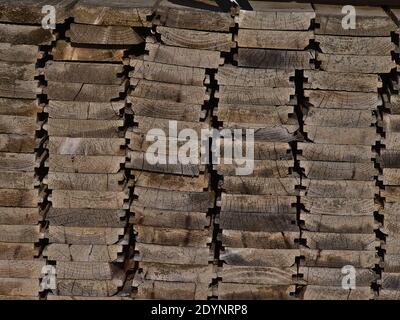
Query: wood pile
x=339 y=216
x=258 y=211
x=390 y=176
x=171 y=213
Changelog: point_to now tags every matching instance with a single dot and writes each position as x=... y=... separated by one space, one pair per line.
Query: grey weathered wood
x=16 y=216
x=20 y=233
x=339 y=118
x=249 y=77
x=236 y=291
x=85 y=110
x=19 y=53
x=278 y=59
x=19 y=198
x=255 y=95
x=340 y=206
x=17 y=143
x=17 y=251
x=103 y=35
x=85 y=164
x=24 y=34
x=317 y=79
x=340 y=153
x=196 y=39
x=65 y=51
x=21 y=269
x=340 y=241
x=89 y=288
x=80 y=252
x=20 y=89
x=12 y=71
x=20 y=107
x=86 y=146
x=84 y=270
x=312 y=292
x=169 y=219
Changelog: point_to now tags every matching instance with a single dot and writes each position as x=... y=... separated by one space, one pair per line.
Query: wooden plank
x=164 y=109
x=84 y=236
x=103 y=35
x=367 y=46
x=255 y=95
x=339 y=258
x=340 y=241
x=279 y=59
x=259 y=257
x=229 y=75
x=145 y=124
x=262 y=168
x=87 y=199
x=169 y=219
x=21 y=269
x=339 y=118
x=340 y=153
x=88 y=182
x=257 y=275
x=85 y=164
x=271 y=133
x=18 y=162
x=85 y=128
x=15 y=216
x=265 y=150
x=82 y=92
x=391 y=176
x=170 y=182
x=331 y=293
x=343 y=100
x=168 y=73
x=18 y=180
x=19 y=198
x=257 y=203
x=138 y=161
x=236 y=291
x=196 y=39
x=339 y=189
x=84 y=270
x=86 y=146
x=19 y=107
x=24 y=34
x=164 y=290
x=390 y=281
x=340 y=206
x=75 y=72
x=172 y=237
x=19 y=53
x=12 y=71
x=85 y=110
x=121 y=13
x=30 y=11
x=391 y=123
x=17 y=251
x=276 y=16
x=391 y=193
x=86 y=217
x=340 y=223
x=274 y=39
x=260 y=185
x=20 y=89
x=19 y=287
x=170 y=92
x=182 y=56
x=172 y=200
x=329 y=18
x=79 y=252
x=174 y=273
x=324 y=170
x=332 y=277
x=385 y=294
x=65 y=51
x=172 y=254
x=353 y=63
x=186 y=17
x=88 y=288
x=255 y=114
x=20 y=233
x=337 y=135
x=317 y=79
x=255 y=221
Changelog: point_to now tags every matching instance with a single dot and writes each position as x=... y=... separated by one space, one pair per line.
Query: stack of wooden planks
x=390 y=176
x=88 y=229
x=22 y=193
x=169 y=93
x=258 y=211
x=340 y=122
